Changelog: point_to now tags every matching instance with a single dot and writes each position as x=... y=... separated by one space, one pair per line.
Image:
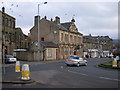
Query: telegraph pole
x=39 y=32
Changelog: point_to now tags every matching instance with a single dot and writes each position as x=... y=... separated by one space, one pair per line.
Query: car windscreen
x=9 y=56
x=76 y=58
x=72 y=57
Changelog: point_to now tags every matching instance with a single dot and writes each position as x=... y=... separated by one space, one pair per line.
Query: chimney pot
x=57 y=20
x=3 y=9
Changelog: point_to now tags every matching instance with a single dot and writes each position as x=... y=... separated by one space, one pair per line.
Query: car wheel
x=86 y=64
x=78 y=64
x=67 y=64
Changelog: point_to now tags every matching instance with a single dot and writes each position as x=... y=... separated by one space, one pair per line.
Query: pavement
x=15 y=77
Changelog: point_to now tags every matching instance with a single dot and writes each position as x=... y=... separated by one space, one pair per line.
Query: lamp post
x=39 y=31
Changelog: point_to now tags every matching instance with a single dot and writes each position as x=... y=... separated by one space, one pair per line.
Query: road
x=58 y=75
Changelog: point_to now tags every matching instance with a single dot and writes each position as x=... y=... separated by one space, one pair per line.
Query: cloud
x=91 y=17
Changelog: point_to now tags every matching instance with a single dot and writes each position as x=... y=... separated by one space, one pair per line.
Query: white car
x=9 y=59
x=74 y=60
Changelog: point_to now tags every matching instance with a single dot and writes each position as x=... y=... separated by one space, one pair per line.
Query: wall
x=68 y=44
x=0 y=36
x=27 y=56
x=47 y=30
x=33 y=56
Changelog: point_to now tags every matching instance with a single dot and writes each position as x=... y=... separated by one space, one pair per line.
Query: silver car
x=74 y=60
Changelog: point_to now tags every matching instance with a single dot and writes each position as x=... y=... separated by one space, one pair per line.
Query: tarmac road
x=58 y=75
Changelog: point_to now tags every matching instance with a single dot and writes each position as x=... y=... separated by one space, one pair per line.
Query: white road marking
x=109 y=78
x=61 y=66
x=87 y=75
x=77 y=73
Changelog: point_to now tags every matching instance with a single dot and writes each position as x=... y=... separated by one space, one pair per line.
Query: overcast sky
x=96 y=18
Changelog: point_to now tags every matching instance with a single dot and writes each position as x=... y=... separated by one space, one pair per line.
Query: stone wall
x=49 y=54
x=28 y=56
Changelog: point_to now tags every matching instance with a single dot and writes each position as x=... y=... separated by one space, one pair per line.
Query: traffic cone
x=25 y=72
x=17 y=66
x=114 y=63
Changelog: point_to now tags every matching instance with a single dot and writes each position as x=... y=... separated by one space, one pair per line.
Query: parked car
x=9 y=59
x=75 y=60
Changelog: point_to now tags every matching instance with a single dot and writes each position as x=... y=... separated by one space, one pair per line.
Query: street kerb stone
x=15 y=78
x=19 y=81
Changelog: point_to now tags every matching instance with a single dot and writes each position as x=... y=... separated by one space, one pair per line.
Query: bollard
x=114 y=63
x=117 y=57
x=112 y=56
x=17 y=66
x=25 y=72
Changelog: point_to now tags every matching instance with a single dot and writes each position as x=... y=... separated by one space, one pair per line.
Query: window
x=10 y=36
x=9 y=23
x=62 y=37
x=66 y=38
x=13 y=38
x=3 y=20
x=42 y=38
x=71 y=39
x=6 y=21
x=49 y=52
x=74 y=39
x=13 y=24
x=80 y=40
x=71 y=51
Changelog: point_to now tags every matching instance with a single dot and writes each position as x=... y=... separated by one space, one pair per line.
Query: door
x=56 y=54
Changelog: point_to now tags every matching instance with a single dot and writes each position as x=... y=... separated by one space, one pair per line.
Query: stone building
x=21 y=40
x=96 y=46
x=65 y=37
x=11 y=37
x=8 y=32
x=90 y=46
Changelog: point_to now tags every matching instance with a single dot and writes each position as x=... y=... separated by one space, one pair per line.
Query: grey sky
x=96 y=18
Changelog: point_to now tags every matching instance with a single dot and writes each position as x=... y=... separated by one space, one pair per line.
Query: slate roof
x=66 y=25
x=63 y=26
x=49 y=44
x=58 y=25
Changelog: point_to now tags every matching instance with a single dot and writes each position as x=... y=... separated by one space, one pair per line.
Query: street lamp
x=39 y=31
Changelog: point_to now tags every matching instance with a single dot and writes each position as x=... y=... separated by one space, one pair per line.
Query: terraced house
x=58 y=40
x=11 y=37
x=96 y=46
x=8 y=32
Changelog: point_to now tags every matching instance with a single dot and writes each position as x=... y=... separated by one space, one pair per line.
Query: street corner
x=20 y=81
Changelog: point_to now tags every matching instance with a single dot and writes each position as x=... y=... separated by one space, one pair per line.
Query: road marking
x=109 y=78
x=61 y=66
x=77 y=73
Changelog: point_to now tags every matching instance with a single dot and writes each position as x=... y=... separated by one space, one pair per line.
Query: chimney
x=57 y=20
x=36 y=20
x=45 y=17
x=73 y=20
x=51 y=19
x=3 y=9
